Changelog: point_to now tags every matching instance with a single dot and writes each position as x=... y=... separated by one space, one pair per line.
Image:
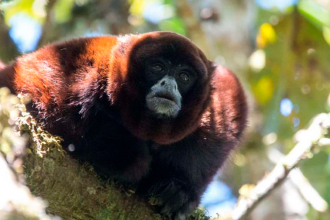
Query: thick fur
x=91 y=92
x=2 y=65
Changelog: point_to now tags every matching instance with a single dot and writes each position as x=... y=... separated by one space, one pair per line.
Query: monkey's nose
x=169 y=83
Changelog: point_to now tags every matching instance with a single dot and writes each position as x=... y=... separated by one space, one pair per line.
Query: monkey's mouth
x=166 y=97
x=164 y=104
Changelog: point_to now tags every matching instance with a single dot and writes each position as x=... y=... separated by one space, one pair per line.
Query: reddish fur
x=57 y=72
x=68 y=82
x=2 y=65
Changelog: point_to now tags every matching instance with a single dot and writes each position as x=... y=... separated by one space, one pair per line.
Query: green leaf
x=314 y=13
x=63 y=10
x=173 y=24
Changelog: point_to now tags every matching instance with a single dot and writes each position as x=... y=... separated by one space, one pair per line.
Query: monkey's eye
x=157 y=68
x=184 y=77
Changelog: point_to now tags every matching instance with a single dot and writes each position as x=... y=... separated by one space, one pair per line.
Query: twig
x=303 y=185
x=308 y=140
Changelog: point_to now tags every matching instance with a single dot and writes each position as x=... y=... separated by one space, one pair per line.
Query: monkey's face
x=168 y=83
x=164 y=82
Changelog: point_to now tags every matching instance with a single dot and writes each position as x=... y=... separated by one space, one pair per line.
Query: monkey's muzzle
x=164 y=103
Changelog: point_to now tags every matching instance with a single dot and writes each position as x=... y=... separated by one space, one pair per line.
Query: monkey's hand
x=175 y=200
x=180 y=172
x=171 y=197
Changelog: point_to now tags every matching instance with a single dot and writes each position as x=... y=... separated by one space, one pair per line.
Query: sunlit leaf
x=18 y=7
x=173 y=24
x=326 y=34
x=266 y=35
x=137 y=6
x=313 y=12
x=246 y=189
x=257 y=60
x=264 y=90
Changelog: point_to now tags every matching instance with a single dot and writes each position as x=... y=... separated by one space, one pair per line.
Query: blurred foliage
x=283 y=61
x=9 y=140
x=290 y=78
x=33 y=8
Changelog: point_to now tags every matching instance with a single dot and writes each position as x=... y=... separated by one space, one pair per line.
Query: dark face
x=162 y=85
x=169 y=82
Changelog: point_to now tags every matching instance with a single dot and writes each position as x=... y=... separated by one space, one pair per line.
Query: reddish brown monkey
x=147 y=109
x=2 y=65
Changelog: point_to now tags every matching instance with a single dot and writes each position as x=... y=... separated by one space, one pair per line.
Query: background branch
x=308 y=140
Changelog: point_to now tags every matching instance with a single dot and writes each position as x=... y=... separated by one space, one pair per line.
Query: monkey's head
x=164 y=84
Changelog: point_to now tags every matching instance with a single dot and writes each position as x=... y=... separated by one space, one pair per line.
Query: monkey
x=2 y=65
x=147 y=109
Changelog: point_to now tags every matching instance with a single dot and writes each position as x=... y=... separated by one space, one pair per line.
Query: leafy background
x=280 y=49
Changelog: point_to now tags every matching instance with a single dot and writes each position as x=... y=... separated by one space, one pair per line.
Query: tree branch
x=308 y=140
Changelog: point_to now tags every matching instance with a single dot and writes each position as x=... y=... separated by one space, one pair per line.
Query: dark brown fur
x=91 y=91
